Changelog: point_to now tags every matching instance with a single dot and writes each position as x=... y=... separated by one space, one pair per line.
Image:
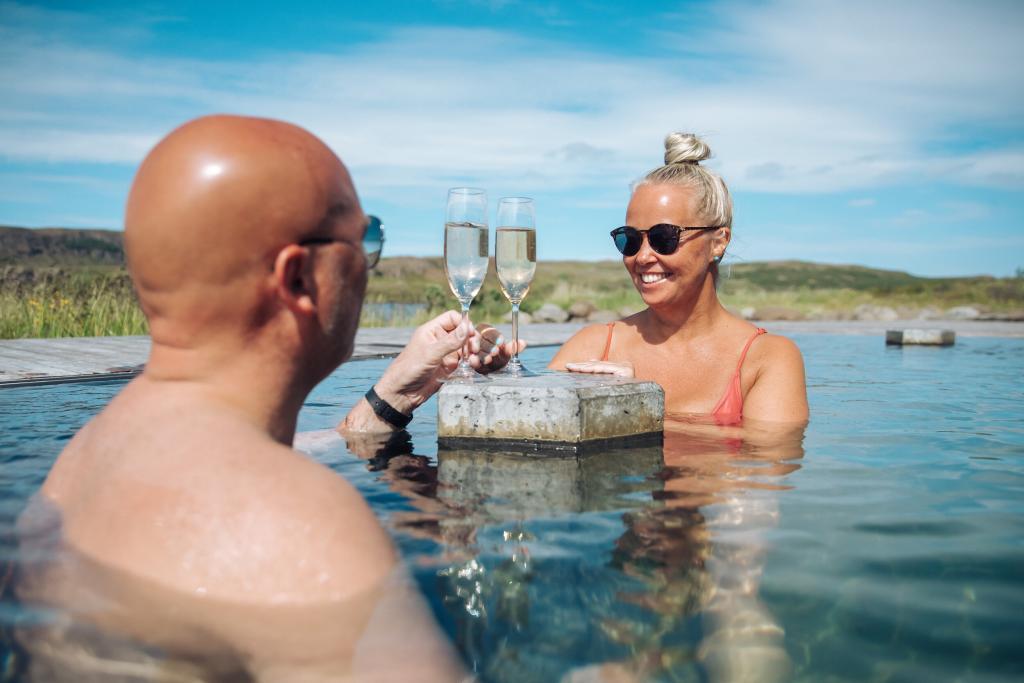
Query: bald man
x=180 y=519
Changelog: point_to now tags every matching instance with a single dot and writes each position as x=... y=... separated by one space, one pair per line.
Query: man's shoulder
x=235 y=516
x=304 y=530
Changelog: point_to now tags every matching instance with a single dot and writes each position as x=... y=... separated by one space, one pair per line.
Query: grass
x=835 y=291
x=807 y=288
x=62 y=303
x=73 y=301
x=422 y=280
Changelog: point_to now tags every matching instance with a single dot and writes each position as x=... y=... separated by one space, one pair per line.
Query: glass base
x=465 y=374
x=514 y=369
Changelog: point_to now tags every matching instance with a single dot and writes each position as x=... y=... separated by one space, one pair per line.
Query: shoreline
x=34 y=362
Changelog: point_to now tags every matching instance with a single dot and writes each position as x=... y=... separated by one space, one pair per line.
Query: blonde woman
x=709 y=361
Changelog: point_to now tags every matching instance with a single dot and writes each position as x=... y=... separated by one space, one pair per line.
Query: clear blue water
x=890 y=547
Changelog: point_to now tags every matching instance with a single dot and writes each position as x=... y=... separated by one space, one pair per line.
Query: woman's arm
x=585 y=345
x=779 y=392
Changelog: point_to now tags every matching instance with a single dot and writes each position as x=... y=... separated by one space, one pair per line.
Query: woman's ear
x=293 y=279
x=724 y=235
x=720 y=242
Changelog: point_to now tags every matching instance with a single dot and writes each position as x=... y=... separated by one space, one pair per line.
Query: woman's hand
x=602 y=367
x=489 y=351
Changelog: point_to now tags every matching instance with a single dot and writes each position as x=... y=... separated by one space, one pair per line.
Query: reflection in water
x=675 y=589
x=731 y=476
x=643 y=564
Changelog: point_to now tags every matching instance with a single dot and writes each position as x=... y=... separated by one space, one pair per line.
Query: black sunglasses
x=373 y=240
x=663 y=238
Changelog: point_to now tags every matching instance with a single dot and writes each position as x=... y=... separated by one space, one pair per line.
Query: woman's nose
x=646 y=254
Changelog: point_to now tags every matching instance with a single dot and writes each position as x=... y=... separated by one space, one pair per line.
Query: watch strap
x=386 y=411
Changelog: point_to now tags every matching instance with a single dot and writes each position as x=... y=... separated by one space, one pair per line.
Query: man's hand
x=430 y=356
x=414 y=376
x=489 y=351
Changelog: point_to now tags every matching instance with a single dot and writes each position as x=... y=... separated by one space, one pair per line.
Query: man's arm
x=416 y=374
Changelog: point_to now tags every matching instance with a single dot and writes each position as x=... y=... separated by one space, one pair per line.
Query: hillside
x=401 y=278
x=55 y=274
x=60 y=247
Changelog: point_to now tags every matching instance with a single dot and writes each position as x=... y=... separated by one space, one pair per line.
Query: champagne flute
x=515 y=259
x=466 y=255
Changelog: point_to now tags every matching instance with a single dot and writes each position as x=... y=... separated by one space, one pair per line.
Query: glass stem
x=515 y=334
x=464 y=363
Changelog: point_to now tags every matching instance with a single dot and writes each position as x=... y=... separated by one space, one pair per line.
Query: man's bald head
x=212 y=205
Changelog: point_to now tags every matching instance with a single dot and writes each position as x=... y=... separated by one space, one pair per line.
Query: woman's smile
x=652 y=278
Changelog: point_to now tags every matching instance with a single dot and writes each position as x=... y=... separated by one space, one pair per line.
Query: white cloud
x=947 y=212
x=862 y=203
x=812 y=97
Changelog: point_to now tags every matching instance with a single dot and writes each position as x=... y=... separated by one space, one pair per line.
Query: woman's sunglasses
x=373 y=240
x=663 y=238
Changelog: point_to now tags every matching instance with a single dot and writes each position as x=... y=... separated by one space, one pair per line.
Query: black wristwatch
x=386 y=411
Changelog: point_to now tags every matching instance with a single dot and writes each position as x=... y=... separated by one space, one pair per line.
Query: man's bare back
x=178 y=532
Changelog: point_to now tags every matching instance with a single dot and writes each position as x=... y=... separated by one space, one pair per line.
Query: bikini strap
x=608 y=342
x=746 y=348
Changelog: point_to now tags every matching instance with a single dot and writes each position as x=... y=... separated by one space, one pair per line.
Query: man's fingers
x=450 y=361
x=447 y=321
x=451 y=342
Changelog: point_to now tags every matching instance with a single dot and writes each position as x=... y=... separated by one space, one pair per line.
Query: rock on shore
x=585 y=311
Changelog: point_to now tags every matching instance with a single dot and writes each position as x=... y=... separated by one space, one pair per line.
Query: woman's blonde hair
x=683 y=154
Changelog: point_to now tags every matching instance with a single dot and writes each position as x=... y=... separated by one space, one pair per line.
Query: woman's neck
x=691 y=318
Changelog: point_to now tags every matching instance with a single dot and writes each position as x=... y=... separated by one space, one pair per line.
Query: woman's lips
x=652 y=278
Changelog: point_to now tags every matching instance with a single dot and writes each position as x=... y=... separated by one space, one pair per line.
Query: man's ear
x=293 y=279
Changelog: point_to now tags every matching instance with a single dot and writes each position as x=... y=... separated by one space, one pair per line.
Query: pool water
x=886 y=544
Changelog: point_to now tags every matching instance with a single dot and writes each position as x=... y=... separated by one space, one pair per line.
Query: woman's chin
x=653 y=299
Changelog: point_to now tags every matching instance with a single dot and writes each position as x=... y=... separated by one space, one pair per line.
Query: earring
x=717 y=259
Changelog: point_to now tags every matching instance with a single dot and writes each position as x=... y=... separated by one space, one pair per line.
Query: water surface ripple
x=887 y=546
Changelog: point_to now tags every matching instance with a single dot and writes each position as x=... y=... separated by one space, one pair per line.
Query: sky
x=879 y=133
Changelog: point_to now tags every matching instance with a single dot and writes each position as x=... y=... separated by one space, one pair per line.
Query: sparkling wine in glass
x=465 y=255
x=515 y=258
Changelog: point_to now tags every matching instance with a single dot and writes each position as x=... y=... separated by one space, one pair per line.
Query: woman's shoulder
x=775 y=349
x=778 y=389
x=773 y=343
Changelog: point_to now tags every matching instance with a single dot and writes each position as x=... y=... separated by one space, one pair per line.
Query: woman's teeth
x=648 y=278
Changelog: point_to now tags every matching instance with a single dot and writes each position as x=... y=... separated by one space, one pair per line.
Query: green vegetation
x=422 y=280
x=87 y=302
x=808 y=289
x=835 y=291
x=56 y=283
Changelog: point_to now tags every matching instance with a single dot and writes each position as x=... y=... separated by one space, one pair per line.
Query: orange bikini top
x=729 y=409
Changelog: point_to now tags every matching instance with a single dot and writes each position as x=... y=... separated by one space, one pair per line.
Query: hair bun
x=685 y=148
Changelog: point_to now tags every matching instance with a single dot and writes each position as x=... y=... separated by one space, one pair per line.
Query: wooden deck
x=26 y=362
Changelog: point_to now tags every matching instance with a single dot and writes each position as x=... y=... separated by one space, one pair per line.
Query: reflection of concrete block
x=922 y=337
x=502 y=482
x=551 y=408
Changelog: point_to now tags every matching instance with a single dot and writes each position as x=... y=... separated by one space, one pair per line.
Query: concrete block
x=920 y=337
x=552 y=409
x=500 y=484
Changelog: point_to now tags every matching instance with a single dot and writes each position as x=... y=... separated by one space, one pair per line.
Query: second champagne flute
x=515 y=259
x=465 y=255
